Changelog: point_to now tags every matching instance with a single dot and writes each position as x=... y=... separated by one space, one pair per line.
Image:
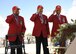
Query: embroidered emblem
x=63 y=19
x=21 y=22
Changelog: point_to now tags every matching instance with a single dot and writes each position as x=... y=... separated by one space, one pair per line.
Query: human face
x=40 y=10
x=16 y=12
x=58 y=12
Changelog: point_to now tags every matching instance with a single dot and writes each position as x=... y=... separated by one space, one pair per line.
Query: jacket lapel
x=57 y=19
x=15 y=20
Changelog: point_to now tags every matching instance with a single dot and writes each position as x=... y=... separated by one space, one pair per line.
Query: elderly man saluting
x=16 y=29
x=57 y=19
x=41 y=30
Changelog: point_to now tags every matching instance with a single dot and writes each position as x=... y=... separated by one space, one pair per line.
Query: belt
x=13 y=34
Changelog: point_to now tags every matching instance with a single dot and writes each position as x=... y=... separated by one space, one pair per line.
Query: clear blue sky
x=28 y=7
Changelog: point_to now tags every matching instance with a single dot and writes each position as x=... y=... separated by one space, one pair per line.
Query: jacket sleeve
x=23 y=27
x=48 y=30
x=66 y=20
x=9 y=19
x=34 y=16
x=51 y=18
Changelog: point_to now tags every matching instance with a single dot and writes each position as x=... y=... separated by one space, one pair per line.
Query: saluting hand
x=54 y=12
x=39 y=11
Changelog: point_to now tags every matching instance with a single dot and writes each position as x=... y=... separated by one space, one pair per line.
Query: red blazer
x=15 y=28
x=39 y=27
x=56 y=23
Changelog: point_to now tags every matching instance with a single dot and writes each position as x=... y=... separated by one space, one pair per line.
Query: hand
x=40 y=10
x=49 y=36
x=54 y=12
x=22 y=34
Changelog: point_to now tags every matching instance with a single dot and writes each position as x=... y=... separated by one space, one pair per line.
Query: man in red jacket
x=16 y=29
x=41 y=30
x=57 y=20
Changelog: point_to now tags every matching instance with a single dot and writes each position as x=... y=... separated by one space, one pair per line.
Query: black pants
x=44 y=42
x=19 y=49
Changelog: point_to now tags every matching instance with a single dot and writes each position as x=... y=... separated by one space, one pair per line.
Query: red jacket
x=39 y=27
x=56 y=23
x=15 y=28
